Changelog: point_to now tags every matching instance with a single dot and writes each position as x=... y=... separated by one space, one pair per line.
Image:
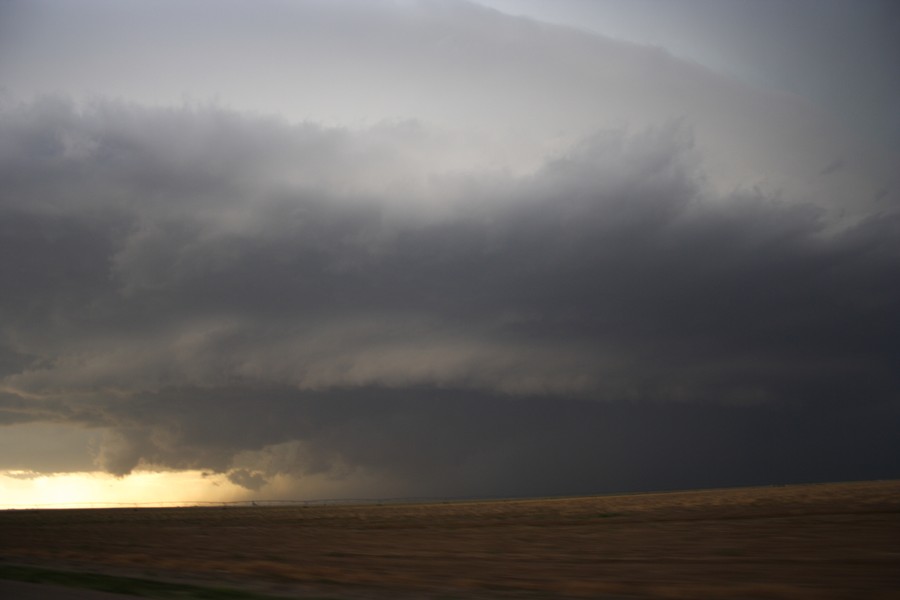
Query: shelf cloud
x=538 y=261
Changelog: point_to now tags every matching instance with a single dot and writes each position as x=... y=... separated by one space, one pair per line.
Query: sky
x=439 y=248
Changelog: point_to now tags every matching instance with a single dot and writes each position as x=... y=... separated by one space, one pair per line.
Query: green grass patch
x=131 y=586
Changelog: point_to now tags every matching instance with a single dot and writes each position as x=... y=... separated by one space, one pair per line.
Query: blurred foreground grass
x=131 y=586
x=799 y=542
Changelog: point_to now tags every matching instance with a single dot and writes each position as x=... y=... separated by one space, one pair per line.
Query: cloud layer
x=218 y=289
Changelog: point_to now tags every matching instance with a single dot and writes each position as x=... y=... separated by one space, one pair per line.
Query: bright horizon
x=100 y=490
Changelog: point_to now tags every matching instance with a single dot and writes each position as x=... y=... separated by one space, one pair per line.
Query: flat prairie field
x=805 y=541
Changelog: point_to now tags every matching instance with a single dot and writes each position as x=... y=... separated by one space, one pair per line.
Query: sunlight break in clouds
x=99 y=490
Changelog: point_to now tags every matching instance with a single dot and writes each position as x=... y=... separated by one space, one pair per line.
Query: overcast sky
x=444 y=248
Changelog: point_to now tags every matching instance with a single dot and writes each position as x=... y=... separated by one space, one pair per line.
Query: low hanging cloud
x=244 y=295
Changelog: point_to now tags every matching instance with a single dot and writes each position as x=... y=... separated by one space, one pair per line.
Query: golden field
x=825 y=541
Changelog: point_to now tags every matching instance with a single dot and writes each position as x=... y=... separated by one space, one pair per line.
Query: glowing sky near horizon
x=100 y=490
x=445 y=248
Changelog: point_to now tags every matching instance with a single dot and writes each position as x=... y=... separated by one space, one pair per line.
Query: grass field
x=814 y=542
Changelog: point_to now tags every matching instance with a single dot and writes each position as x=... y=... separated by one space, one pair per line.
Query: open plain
x=825 y=541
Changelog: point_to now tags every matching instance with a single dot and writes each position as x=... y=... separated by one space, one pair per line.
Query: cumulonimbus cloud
x=465 y=299
x=611 y=273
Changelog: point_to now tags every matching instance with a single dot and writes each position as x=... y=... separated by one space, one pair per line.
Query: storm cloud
x=391 y=305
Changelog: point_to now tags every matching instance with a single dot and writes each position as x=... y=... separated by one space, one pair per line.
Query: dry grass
x=830 y=541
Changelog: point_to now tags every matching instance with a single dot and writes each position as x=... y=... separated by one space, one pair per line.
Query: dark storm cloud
x=239 y=294
x=443 y=442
